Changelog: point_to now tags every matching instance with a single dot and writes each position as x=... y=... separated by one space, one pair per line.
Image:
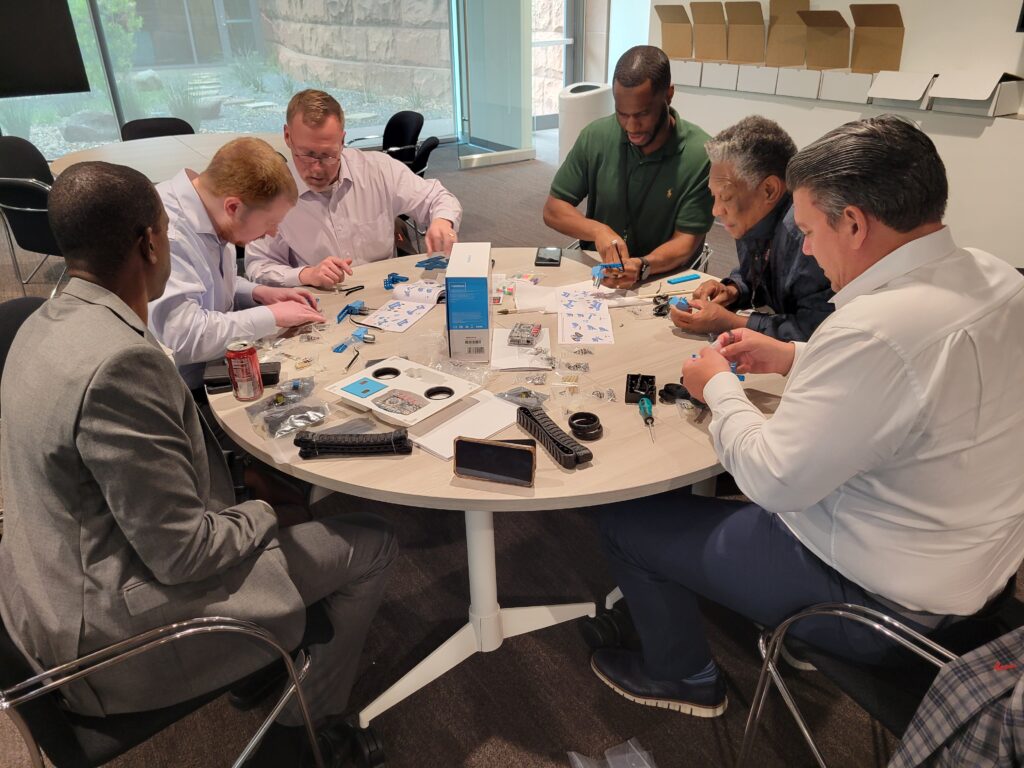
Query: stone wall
x=387 y=48
x=548 y=71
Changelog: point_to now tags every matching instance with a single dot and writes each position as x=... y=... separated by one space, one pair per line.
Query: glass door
x=491 y=48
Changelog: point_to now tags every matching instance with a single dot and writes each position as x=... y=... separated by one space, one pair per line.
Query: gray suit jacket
x=120 y=512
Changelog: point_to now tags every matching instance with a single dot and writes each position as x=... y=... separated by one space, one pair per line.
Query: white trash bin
x=579 y=105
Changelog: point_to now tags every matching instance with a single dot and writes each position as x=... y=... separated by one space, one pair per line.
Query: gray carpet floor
x=534 y=699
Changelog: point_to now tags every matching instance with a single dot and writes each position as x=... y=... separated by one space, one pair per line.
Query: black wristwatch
x=645 y=267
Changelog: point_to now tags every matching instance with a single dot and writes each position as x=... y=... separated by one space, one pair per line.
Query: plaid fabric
x=973 y=714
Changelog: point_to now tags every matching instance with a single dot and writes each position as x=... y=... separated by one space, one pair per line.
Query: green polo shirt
x=667 y=190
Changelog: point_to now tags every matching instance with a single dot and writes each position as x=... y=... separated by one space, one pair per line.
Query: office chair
x=150 y=127
x=401 y=136
x=892 y=693
x=419 y=162
x=25 y=181
x=71 y=740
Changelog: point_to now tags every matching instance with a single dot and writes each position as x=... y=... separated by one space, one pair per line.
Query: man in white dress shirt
x=348 y=201
x=242 y=195
x=889 y=475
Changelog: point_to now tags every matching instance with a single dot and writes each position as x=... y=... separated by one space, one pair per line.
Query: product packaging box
x=901 y=90
x=755 y=79
x=828 y=39
x=745 y=32
x=840 y=85
x=467 y=285
x=986 y=94
x=709 y=36
x=676 y=31
x=719 y=75
x=685 y=72
x=787 y=34
x=802 y=83
x=877 y=37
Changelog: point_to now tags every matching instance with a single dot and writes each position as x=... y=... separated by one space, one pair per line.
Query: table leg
x=704 y=487
x=489 y=624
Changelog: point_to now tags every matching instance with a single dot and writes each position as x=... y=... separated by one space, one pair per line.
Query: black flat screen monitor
x=39 y=52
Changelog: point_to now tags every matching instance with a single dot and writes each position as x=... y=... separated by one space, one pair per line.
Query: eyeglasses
x=312 y=158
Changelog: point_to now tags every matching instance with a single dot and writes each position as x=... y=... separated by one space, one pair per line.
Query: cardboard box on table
x=828 y=39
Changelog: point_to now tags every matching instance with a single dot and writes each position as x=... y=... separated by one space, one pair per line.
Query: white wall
x=984 y=157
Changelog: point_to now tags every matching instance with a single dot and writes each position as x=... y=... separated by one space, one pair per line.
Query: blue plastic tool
x=680 y=303
x=682 y=279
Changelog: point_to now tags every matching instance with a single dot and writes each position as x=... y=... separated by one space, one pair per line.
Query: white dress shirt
x=354 y=219
x=197 y=317
x=895 y=453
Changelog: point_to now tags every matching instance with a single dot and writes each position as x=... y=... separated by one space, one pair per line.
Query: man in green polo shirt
x=644 y=173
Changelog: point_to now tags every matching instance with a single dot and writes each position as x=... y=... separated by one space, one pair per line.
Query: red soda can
x=244 y=370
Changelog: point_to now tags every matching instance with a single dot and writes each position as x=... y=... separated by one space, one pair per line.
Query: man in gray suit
x=121 y=514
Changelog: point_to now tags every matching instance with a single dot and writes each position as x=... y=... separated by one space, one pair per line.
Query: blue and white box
x=467 y=285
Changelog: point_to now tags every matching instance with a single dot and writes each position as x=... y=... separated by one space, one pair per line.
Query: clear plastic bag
x=627 y=755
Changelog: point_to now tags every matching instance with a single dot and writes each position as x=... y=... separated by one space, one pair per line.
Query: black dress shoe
x=623 y=671
x=251 y=691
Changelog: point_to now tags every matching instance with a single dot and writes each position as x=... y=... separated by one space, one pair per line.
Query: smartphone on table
x=548 y=257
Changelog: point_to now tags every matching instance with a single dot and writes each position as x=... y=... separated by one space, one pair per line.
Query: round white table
x=627 y=463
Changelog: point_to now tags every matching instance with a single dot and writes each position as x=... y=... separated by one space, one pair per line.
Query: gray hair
x=755 y=147
x=884 y=165
x=642 y=63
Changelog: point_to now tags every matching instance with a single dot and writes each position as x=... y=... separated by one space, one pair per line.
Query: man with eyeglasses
x=348 y=202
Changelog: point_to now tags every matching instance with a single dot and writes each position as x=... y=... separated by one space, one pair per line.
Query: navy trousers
x=666 y=550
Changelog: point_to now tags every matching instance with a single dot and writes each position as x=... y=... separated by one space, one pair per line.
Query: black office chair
x=70 y=740
x=150 y=127
x=419 y=162
x=892 y=693
x=25 y=182
x=401 y=136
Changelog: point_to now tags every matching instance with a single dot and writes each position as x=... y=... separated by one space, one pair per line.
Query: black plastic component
x=367 y=749
x=317 y=444
x=586 y=426
x=640 y=385
x=386 y=373
x=672 y=392
x=439 y=393
x=563 y=449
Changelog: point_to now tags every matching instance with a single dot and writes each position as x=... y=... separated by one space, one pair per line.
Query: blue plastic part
x=351 y=309
x=682 y=279
x=364 y=387
x=679 y=302
x=358 y=334
x=340 y=347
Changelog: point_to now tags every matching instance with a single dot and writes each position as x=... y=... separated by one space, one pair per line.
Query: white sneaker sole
x=683 y=707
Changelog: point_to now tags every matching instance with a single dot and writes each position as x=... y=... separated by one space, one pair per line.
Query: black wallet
x=500 y=461
x=216 y=378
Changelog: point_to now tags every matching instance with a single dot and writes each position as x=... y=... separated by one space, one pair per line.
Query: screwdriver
x=647 y=413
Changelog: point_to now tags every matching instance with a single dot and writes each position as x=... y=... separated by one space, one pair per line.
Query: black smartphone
x=500 y=461
x=548 y=257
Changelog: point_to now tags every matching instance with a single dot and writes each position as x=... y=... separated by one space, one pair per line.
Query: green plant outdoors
x=248 y=68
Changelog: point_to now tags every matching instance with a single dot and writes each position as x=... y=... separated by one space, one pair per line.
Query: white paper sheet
x=585 y=327
x=420 y=292
x=489 y=416
x=397 y=316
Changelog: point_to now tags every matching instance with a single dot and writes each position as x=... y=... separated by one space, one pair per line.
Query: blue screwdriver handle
x=646 y=410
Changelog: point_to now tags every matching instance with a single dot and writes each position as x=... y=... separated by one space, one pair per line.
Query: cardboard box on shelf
x=676 y=31
x=828 y=39
x=839 y=85
x=685 y=72
x=719 y=75
x=877 y=37
x=787 y=34
x=901 y=90
x=987 y=94
x=754 y=79
x=801 y=83
x=709 y=38
x=745 y=32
